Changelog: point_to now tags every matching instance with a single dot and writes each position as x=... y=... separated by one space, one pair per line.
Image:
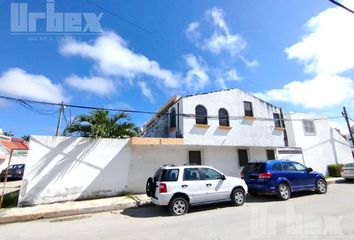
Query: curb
x=71 y=212
x=334 y=181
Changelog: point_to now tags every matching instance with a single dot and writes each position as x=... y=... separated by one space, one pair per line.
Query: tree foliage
x=99 y=123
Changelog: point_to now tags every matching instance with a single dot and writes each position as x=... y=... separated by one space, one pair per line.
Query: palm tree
x=99 y=123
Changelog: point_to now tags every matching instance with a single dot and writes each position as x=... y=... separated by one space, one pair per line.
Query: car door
x=194 y=185
x=217 y=188
x=294 y=177
x=306 y=179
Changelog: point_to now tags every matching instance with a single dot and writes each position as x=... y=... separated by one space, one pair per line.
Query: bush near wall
x=334 y=170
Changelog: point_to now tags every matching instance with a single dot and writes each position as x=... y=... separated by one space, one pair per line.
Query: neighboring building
x=19 y=155
x=243 y=127
x=319 y=143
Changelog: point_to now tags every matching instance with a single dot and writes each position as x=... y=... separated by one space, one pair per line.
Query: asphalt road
x=304 y=216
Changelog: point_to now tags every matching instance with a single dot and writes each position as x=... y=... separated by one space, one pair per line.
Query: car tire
x=178 y=206
x=284 y=191
x=321 y=186
x=238 y=197
x=149 y=186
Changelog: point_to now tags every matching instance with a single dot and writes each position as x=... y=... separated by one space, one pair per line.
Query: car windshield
x=349 y=165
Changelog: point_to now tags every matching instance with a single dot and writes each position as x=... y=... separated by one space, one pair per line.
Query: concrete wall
x=325 y=147
x=62 y=169
x=257 y=133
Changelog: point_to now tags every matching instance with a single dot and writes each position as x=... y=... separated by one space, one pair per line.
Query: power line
x=342 y=6
x=150 y=112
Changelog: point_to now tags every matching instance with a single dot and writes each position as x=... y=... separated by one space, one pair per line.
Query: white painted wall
x=326 y=147
x=257 y=133
x=62 y=168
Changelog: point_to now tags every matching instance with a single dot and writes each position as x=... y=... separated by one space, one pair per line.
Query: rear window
x=255 y=168
x=169 y=175
x=349 y=165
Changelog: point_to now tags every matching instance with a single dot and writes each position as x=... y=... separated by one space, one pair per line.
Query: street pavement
x=11 y=186
x=304 y=216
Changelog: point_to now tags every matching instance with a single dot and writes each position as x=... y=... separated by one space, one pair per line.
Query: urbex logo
x=24 y=22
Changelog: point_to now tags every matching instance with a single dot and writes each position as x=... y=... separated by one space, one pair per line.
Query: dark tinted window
x=211 y=173
x=255 y=168
x=173 y=118
x=191 y=174
x=270 y=154
x=243 y=157
x=288 y=167
x=195 y=157
x=223 y=117
x=277 y=121
x=276 y=167
x=201 y=115
x=248 y=109
x=169 y=175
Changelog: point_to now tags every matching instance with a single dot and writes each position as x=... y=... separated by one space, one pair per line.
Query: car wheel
x=284 y=191
x=238 y=197
x=178 y=206
x=321 y=186
x=149 y=185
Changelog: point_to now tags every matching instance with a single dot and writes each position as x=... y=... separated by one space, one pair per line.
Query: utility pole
x=59 y=119
x=345 y=115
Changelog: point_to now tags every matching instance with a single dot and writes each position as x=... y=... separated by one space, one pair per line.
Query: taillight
x=163 y=188
x=266 y=175
x=242 y=174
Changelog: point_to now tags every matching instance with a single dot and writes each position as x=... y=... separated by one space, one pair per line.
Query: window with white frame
x=309 y=127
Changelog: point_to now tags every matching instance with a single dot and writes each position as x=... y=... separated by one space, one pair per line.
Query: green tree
x=26 y=138
x=8 y=134
x=99 y=123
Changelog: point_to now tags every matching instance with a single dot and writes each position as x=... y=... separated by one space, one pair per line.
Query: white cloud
x=18 y=83
x=326 y=51
x=96 y=85
x=112 y=56
x=224 y=77
x=120 y=105
x=196 y=78
x=146 y=91
x=192 y=32
x=319 y=92
x=222 y=39
x=328 y=47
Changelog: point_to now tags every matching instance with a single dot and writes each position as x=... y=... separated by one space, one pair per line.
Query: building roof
x=14 y=144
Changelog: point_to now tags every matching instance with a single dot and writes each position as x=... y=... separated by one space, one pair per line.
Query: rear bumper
x=161 y=199
x=348 y=175
x=260 y=188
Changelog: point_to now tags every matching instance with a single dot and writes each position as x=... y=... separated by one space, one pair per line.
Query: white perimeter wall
x=62 y=169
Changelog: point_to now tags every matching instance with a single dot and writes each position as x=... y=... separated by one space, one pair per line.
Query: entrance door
x=195 y=157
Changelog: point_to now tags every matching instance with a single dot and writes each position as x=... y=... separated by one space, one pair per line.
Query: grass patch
x=10 y=200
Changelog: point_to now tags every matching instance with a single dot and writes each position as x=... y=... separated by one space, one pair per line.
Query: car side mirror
x=309 y=170
x=223 y=177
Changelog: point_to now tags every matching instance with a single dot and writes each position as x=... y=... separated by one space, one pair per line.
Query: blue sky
x=296 y=54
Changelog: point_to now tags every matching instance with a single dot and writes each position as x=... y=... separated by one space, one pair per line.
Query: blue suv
x=281 y=178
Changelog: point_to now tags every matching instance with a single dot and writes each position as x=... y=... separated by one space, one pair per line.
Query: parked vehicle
x=15 y=172
x=281 y=178
x=180 y=187
x=347 y=171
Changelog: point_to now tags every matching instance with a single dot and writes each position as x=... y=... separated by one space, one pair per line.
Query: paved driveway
x=11 y=186
x=305 y=216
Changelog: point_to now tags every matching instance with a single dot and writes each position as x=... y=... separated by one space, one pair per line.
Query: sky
x=136 y=54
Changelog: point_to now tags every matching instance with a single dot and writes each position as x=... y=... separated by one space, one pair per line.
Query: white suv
x=179 y=187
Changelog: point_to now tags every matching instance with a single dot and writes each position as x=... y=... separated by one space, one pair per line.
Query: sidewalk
x=9 y=215
x=335 y=180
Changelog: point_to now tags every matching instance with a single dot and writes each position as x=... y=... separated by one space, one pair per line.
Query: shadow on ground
x=152 y=211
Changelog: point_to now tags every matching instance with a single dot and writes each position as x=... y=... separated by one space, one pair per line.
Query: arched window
x=173 y=118
x=201 y=115
x=223 y=117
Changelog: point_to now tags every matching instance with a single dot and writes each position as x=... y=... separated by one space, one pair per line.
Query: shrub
x=334 y=169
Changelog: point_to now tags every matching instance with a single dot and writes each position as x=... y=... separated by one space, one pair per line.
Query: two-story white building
x=226 y=129
x=314 y=142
